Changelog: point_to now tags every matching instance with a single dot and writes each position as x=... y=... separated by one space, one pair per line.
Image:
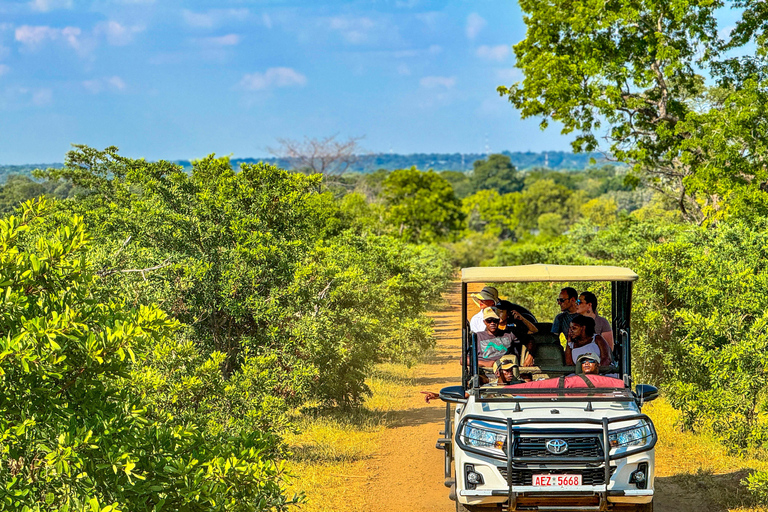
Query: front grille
x=589 y=476
x=584 y=446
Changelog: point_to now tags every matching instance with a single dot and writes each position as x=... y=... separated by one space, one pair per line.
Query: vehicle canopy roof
x=546 y=273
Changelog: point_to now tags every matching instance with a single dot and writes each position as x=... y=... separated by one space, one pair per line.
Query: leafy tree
x=551 y=225
x=635 y=67
x=600 y=212
x=422 y=206
x=460 y=181
x=489 y=212
x=496 y=173
x=233 y=255
x=73 y=433
x=544 y=196
x=19 y=188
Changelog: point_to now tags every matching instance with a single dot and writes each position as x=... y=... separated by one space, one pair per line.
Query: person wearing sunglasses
x=587 y=305
x=494 y=342
x=567 y=302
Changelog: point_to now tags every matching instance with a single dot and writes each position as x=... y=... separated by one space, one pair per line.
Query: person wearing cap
x=486 y=298
x=588 y=363
x=494 y=342
x=506 y=370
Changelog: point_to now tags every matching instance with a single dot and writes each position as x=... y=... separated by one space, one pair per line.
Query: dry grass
x=689 y=464
x=333 y=449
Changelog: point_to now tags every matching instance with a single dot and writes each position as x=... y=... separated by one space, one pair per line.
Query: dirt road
x=407 y=472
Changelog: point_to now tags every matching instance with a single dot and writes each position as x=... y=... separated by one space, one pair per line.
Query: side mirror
x=453 y=394
x=646 y=392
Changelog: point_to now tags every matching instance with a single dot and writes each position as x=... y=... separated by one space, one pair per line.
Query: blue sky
x=179 y=80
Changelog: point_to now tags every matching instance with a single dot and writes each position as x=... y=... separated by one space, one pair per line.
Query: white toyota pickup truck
x=561 y=441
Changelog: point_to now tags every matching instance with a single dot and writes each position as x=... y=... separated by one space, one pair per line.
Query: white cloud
x=432 y=82
x=227 y=40
x=116 y=33
x=112 y=83
x=4 y=69
x=475 y=23
x=497 y=53
x=33 y=37
x=509 y=75
x=354 y=30
x=403 y=69
x=42 y=97
x=273 y=77
x=435 y=49
x=266 y=20
x=213 y=18
x=49 y=5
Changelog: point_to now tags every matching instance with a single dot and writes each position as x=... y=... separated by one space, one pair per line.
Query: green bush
x=270 y=275
x=74 y=434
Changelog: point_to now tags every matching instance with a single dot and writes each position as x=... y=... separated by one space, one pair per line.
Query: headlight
x=480 y=434
x=639 y=435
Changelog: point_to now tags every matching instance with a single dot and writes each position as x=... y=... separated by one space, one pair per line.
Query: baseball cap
x=588 y=356
x=487 y=293
x=507 y=362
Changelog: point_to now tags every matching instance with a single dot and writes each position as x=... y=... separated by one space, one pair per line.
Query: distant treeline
x=557 y=160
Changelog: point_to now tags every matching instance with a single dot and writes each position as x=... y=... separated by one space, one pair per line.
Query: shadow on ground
x=701 y=492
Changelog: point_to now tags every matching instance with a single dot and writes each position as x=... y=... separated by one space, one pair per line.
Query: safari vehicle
x=550 y=448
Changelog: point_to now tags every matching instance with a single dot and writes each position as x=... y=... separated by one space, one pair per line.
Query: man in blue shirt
x=567 y=301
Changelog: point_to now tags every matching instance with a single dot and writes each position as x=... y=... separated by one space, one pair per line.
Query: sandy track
x=408 y=473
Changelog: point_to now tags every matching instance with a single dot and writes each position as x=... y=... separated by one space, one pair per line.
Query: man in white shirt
x=487 y=298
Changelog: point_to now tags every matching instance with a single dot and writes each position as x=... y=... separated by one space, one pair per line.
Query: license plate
x=564 y=481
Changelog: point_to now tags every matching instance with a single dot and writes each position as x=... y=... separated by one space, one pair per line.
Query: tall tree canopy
x=422 y=205
x=496 y=173
x=636 y=66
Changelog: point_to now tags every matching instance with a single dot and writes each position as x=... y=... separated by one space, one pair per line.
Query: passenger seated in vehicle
x=567 y=302
x=583 y=339
x=486 y=298
x=511 y=318
x=588 y=364
x=587 y=305
x=493 y=342
x=506 y=370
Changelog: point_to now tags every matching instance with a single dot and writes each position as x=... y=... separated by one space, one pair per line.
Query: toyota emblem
x=557 y=446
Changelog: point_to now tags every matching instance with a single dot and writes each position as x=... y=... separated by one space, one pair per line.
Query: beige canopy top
x=542 y=272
